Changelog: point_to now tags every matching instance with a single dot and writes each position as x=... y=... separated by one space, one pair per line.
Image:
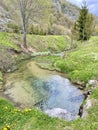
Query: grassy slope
x=81 y=64
x=6 y=40
x=49 y=16
x=48 y=43
x=40 y=43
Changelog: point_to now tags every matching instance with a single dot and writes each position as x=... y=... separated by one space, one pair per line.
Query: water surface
x=50 y=91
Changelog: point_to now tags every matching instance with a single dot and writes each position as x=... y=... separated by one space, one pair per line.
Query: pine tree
x=84 y=24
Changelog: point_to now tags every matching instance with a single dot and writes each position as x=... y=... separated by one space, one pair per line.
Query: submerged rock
x=61 y=113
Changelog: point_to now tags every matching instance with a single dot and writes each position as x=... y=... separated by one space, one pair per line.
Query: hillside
x=58 y=17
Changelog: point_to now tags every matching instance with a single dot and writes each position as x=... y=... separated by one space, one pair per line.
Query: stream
x=49 y=91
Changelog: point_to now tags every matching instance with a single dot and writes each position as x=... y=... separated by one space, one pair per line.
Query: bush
x=58 y=29
x=38 y=29
x=96 y=31
x=15 y=28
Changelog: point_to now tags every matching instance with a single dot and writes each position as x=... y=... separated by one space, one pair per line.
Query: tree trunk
x=24 y=39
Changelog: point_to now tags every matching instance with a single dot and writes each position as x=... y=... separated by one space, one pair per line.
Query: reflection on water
x=62 y=96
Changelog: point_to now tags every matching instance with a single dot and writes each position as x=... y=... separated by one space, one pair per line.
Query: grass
x=95 y=94
x=6 y=40
x=82 y=63
x=48 y=43
x=25 y=119
x=53 y=43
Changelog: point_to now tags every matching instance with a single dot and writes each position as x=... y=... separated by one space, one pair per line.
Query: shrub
x=15 y=28
x=38 y=29
x=96 y=30
x=58 y=29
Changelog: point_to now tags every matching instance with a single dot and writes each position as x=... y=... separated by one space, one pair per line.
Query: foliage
x=57 y=29
x=15 y=28
x=50 y=16
x=84 y=24
x=96 y=30
x=38 y=29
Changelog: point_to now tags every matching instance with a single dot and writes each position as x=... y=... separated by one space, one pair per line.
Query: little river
x=50 y=91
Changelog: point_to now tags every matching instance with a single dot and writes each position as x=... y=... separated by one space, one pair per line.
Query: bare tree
x=28 y=9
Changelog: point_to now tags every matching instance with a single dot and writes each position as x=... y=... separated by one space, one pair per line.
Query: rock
x=12 y=69
x=61 y=113
x=41 y=53
x=89 y=103
x=86 y=94
x=81 y=111
x=92 y=83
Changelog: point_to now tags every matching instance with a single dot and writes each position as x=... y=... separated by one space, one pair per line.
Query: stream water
x=48 y=90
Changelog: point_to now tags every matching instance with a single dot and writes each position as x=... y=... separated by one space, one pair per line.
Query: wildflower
x=16 y=110
x=27 y=110
x=8 y=126
x=5 y=128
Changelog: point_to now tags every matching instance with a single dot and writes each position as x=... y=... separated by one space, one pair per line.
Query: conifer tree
x=84 y=24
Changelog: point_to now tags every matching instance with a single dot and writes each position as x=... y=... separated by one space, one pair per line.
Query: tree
x=28 y=9
x=84 y=24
